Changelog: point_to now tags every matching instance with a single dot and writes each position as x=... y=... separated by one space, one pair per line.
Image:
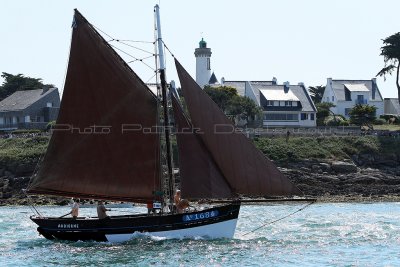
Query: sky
x=293 y=40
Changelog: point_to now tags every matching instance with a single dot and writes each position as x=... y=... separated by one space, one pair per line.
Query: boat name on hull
x=68 y=226
x=200 y=216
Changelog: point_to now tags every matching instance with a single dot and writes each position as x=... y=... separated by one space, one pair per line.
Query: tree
x=244 y=108
x=231 y=103
x=323 y=111
x=221 y=95
x=19 y=82
x=316 y=93
x=362 y=114
x=391 y=55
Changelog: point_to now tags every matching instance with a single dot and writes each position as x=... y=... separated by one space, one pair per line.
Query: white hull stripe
x=224 y=229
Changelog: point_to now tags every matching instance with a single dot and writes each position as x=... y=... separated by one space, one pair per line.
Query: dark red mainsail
x=98 y=149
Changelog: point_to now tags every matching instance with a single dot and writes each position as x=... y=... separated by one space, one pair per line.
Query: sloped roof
x=213 y=79
x=294 y=93
x=338 y=87
x=20 y=100
x=241 y=85
x=278 y=94
x=356 y=87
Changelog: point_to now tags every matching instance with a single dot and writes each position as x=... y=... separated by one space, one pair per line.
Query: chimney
x=274 y=81
x=329 y=81
x=301 y=84
x=286 y=86
x=374 y=86
x=222 y=81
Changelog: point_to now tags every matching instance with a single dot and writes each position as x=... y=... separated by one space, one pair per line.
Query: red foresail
x=246 y=169
x=199 y=175
x=99 y=148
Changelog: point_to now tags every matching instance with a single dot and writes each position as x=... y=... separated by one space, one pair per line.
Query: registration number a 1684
x=200 y=216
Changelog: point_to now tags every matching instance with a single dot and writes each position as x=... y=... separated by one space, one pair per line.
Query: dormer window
x=288 y=103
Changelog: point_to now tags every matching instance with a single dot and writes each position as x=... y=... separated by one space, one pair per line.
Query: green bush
x=334 y=120
x=380 y=122
x=26 y=131
x=50 y=125
x=386 y=117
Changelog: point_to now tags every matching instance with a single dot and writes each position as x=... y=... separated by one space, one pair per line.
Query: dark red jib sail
x=98 y=149
x=246 y=169
x=199 y=175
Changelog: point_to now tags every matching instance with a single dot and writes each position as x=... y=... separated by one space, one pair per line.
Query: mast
x=165 y=105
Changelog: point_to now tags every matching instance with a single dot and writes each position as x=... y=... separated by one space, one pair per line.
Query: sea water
x=341 y=234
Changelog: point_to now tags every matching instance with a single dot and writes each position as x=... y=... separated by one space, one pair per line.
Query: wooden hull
x=216 y=222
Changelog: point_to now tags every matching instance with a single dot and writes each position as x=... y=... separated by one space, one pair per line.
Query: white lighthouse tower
x=203 y=65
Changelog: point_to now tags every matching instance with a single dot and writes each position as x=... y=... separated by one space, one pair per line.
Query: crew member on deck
x=180 y=204
x=75 y=209
x=101 y=210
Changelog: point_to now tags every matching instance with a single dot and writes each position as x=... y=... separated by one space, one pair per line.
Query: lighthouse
x=203 y=64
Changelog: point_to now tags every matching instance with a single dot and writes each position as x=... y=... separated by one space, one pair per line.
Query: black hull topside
x=178 y=225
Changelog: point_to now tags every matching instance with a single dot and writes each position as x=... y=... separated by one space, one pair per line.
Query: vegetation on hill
x=333 y=147
x=22 y=150
x=30 y=149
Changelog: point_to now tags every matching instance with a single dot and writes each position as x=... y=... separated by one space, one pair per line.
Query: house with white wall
x=283 y=105
x=345 y=94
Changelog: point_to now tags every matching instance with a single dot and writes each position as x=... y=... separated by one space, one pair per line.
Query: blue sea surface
x=341 y=234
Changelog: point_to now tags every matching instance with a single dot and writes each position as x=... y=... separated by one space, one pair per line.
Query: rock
x=25 y=169
x=325 y=166
x=8 y=174
x=364 y=179
x=344 y=167
x=315 y=168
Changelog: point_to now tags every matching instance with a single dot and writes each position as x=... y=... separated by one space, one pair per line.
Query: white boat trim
x=224 y=229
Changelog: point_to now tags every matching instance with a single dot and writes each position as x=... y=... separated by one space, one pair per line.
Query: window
x=280 y=117
x=1 y=120
x=347 y=111
x=312 y=116
x=288 y=103
x=208 y=64
x=270 y=103
x=294 y=103
x=333 y=98
x=304 y=116
x=49 y=104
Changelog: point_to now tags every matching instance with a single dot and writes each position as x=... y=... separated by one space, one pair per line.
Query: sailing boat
x=103 y=147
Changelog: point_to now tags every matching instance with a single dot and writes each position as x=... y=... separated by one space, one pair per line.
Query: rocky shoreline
x=366 y=177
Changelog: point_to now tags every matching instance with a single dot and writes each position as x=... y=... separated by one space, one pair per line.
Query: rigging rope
x=166 y=47
x=123 y=42
x=280 y=219
x=136 y=59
